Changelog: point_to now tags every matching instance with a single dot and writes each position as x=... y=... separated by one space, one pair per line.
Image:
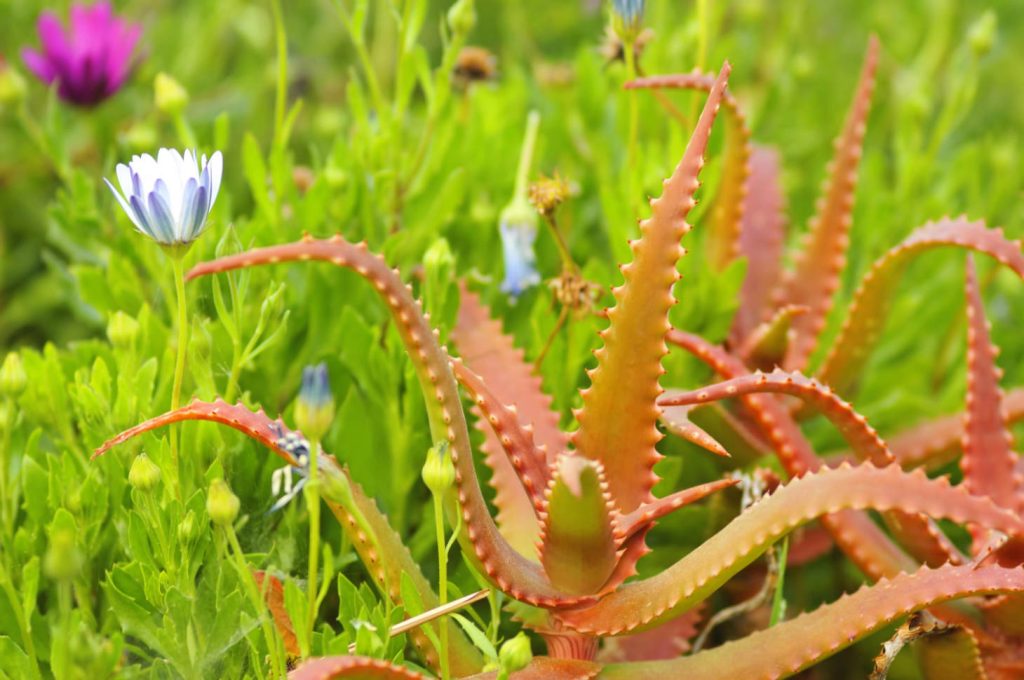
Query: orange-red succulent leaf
x=934 y=443
x=355 y=667
x=872 y=301
x=855 y=533
x=627 y=525
x=676 y=420
x=988 y=463
x=519 y=471
x=274 y=597
x=765 y=347
x=617 y=424
x=491 y=354
x=578 y=546
x=735 y=435
x=762 y=236
x=854 y=427
x=384 y=554
x=642 y=604
x=951 y=655
x=815 y=277
x=484 y=545
x=787 y=648
x=727 y=213
x=667 y=641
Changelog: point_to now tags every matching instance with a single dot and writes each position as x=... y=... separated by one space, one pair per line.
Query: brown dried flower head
x=547 y=193
x=474 y=64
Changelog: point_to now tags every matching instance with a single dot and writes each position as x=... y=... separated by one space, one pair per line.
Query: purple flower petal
x=160 y=217
x=39 y=65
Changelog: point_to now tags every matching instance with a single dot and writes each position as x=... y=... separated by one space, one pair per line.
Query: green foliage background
x=943 y=139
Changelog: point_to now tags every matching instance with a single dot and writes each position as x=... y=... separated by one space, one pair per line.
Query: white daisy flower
x=169 y=197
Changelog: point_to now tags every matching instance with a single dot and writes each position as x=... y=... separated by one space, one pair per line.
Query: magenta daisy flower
x=91 y=60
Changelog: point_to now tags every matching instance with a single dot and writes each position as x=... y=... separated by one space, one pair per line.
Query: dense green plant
x=110 y=566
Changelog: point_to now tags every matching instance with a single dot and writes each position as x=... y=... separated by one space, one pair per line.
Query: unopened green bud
x=221 y=504
x=12 y=85
x=982 y=33
x=187 y=528
x=63 y=560
x=122 y=330
x=314 y=409
x=144 y=475
x=74 y=501
x=438 y=470
x=141 y=137
x=12 y=376
x=515 y=654
x=169 y=95
x=462 y=17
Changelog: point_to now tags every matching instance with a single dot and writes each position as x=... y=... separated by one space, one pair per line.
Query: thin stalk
x=568 y=265
x=258 y=603
x=5 y=454
x=312 y=494
x=178 y=261
x=442 y=590
x=24 y=626
x=634 y=111
x=282 y=71
x=526 y=154
x=436 y=612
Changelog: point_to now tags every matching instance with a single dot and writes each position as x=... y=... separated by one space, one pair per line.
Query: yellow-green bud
x=982 y=33
x=438 y=470
x=314 y=409
x=144 y=474
x=12 y=376
x=141 y=137
x=63 y=560
x=462 y=17
x=187 y=528
x=169 y=95
x=122 y=330
x=515 y=654
x=221 y=504
x=12 y=85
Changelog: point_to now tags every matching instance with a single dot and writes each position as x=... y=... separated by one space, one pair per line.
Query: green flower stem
x=24 y=626
x=178 y=260
x=6 y=519
x=442 y=588
x=628 y=47
x=312 y=494
x=282 y=72
x=184 y=131
x=278 y=669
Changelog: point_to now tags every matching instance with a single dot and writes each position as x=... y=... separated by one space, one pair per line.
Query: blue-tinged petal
x=216 y=168
x=186 y=212
x=142 y=217
x=124 y=204
x=124 y=178
x=520 y=260
x=202 y=208
x=160 y=218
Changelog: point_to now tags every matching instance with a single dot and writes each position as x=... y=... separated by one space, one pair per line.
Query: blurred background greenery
x=943 y=139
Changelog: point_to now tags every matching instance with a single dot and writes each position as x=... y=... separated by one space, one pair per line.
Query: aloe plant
x=573 y=510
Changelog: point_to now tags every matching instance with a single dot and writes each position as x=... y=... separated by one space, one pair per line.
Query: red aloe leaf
x=873 y=299
x=854 y=427
x=808 y=544
x=545 y=668
x=989 y=463
x=627 y=525
x=384 y=554
x=934 y=443
x=667 y=641
x=490 y=353
x=520 y=472
x=762 y=235
x=482 y=543
x=274 y=598
x=952 y=655
x=676 y=420
x=359 y=667
x=727 y=213
x=868 y=547
x=815 y=277
x=577 y=546
x=765 y=348
x=789 y=647
x=618 y=418
x=641 y=604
